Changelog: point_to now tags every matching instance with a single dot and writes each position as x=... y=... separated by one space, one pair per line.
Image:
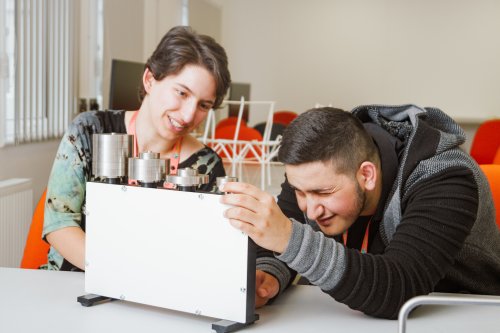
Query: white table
x=42 y=301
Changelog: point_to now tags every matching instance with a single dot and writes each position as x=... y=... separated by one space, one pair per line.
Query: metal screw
x=124 y=188
x=197 y=312
x=122 y=297
x=243 y=290
x=200 y=196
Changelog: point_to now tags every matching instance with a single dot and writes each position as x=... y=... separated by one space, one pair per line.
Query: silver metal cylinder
x=187 y=177
x=110 y=153
x=222 y=180
x=148 y=168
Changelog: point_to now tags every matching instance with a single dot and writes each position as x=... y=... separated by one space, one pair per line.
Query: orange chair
x=36 y=249
x=229 y=121
x=245 y=134
x=486 y=142
x=284 y=117
x=496 y=159
x=492 y=172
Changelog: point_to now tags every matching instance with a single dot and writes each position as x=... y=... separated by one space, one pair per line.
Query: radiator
x=16 y=209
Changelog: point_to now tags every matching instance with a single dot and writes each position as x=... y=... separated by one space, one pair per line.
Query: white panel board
x=169 y=249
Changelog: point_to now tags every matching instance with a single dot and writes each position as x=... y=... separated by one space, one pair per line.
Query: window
x=6 y=71
x=38 y=68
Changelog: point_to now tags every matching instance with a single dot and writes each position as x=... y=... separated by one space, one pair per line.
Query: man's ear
x=367 y=175
x=147 y=80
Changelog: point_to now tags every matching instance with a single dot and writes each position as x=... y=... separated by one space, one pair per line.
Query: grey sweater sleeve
x=319 y=259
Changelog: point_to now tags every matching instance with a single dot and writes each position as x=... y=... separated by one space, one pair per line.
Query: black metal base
x=92 y=299
x=222 y=326
x=227 y=326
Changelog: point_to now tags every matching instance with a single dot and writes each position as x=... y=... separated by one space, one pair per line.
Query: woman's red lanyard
x=174 y=160
x=364 y=246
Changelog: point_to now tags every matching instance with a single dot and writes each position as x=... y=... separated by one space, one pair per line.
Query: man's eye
x=181 y=93
x=327 y=192
x=299 y=192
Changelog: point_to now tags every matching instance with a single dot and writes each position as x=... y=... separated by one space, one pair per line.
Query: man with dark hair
x=401 y=210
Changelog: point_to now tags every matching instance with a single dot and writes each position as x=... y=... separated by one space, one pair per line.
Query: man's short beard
x=360 y=199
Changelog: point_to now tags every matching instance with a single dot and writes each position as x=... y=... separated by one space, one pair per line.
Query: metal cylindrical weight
x=187 y=178
x=110 y=153
x=148 y=168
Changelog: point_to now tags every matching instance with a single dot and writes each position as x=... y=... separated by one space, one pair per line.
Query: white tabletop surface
x=41 y=301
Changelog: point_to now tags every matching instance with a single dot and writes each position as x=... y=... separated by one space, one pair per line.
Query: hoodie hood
x=403 y=121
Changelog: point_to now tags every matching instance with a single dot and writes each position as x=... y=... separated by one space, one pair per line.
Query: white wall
x=29 y=161
x=206 y=18
x=351 y=52
x=159 y=17
x=123 y=35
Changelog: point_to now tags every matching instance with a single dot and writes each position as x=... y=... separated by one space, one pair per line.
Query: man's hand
x=266 y=287
x=257 y=214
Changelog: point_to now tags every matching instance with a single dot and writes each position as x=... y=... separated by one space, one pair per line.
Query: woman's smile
x=177 y=126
